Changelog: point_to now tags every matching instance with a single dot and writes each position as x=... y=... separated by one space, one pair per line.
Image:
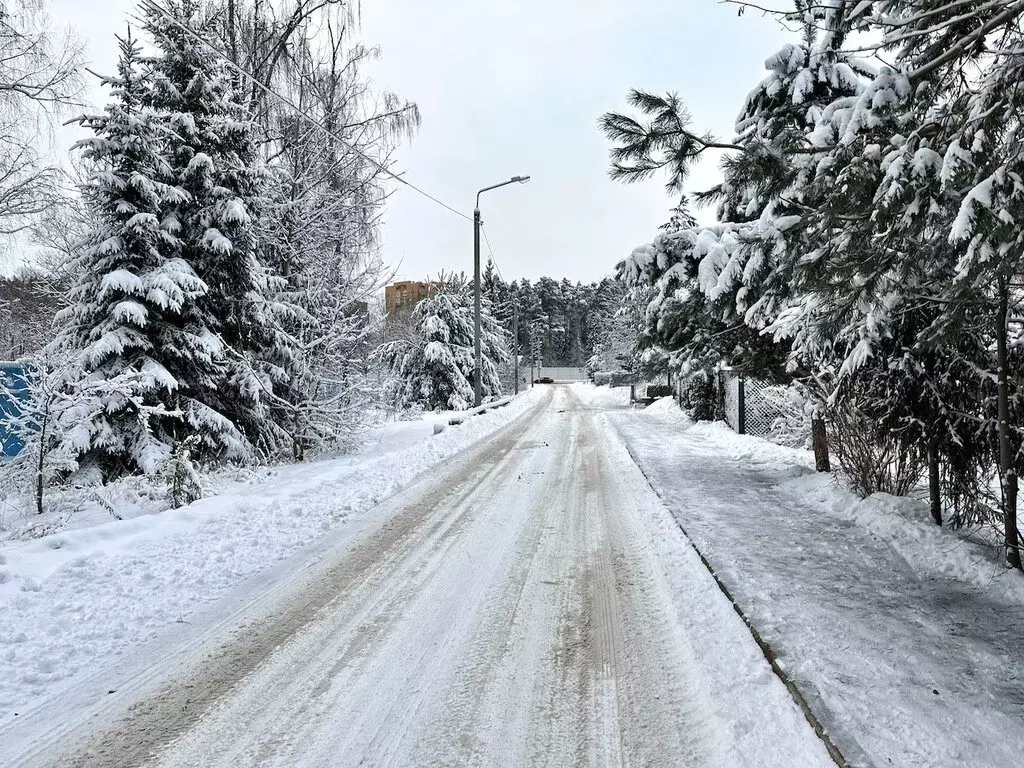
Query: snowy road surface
x=531 y=603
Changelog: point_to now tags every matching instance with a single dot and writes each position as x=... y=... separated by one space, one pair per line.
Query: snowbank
x=667 y=409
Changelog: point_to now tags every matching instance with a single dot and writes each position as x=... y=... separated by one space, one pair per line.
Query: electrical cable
x=152 y=6
x=490 y=251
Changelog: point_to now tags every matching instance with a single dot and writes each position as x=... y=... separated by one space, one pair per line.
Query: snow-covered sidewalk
x=906 y=639
x=75 y=601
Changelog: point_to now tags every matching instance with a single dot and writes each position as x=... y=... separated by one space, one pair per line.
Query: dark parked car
x=544 y=380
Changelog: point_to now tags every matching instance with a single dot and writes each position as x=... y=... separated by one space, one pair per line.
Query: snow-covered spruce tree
x=982 y=171
x=434 y=368
x=211 y=156
x=125 y=315
x=989 y=164
x=183 y=481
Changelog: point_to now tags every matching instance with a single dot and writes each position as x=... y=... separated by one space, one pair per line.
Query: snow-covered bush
x=36 y=399
x=183 y=484
x=56 y=406
x=698 y=394
x=872 y=458
x=794 y=409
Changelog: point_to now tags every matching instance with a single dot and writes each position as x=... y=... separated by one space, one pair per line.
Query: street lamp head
x=521 y=179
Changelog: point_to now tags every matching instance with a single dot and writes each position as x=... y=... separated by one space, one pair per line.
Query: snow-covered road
x=530 y=603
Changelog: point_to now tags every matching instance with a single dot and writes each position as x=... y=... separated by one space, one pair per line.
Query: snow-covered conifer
x=133 y=290
x=435 y=367
x=211 y=156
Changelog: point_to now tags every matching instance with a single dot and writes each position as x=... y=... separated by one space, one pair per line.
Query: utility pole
x=478 y=368
x=515 y=345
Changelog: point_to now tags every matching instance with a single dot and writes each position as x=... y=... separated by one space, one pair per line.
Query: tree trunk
x=934 y=496
x=819 y=439
x=1007 y=473
x=41 y=465
x=232 y=34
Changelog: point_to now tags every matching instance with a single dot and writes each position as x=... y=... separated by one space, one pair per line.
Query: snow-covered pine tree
x=740 y=264
x=126 y=311
x=212 y=157
x=918 y=199
x=718 y=287
x=435 y=367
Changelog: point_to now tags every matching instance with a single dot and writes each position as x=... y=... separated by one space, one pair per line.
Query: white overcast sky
x=509 y=88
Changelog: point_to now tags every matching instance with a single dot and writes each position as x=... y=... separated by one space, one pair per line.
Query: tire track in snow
x=140 y=728
x=522 y=608
x=648 y=703
x=377 y=681
x=490 y=697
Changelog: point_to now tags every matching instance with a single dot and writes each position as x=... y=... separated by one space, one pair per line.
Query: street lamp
x=478 y=370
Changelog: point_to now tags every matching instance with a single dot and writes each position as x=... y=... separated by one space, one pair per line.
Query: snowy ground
x=521 y=597
x=907 y=639
x=99 y=591
x=530 y=603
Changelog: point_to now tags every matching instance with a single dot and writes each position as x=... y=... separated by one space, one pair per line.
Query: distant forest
x=559 y=322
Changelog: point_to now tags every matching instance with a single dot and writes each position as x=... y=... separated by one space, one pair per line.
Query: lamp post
x=478 y=368
x=515 y=346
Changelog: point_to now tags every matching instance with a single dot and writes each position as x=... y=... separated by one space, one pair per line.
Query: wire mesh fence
x=753 y=406
x=763 y=406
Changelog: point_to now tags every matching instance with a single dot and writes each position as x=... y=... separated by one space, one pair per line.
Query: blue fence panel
x=13 y=393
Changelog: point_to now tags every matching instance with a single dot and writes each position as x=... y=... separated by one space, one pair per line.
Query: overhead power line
x=490 y=251
x=154 y=7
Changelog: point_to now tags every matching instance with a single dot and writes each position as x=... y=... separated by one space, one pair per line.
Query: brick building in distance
x=402 y=297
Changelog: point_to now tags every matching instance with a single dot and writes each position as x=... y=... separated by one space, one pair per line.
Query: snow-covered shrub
x=698 y=394
x=412 y=412
x=183 y=484
x=59 y=407
x=872 y=458
x=44 y=485
x=40 y=400
x=795 y=409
